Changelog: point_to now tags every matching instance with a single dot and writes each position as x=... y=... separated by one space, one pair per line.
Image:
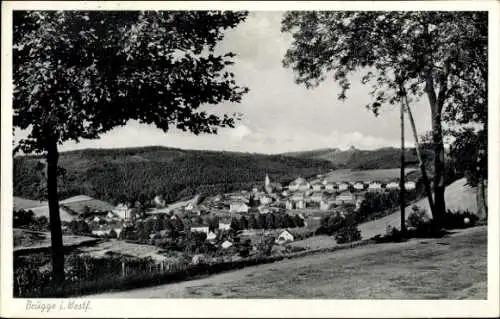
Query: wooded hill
x=382 y=158
x=141 y=173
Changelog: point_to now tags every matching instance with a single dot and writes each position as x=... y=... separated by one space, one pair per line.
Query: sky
x=278 y=114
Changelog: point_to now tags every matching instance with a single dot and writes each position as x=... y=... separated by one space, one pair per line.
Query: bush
x=348 y=234
x=459 y=219
x=331 y=224
x=418 y=218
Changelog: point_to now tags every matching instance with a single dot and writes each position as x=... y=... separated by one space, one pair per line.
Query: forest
x=131 y=174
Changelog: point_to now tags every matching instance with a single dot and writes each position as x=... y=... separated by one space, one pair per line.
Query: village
x=269 y=210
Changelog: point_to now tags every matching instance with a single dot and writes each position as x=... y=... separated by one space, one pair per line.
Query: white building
x=326 y=205
x=375 y=186
x=317 y=197
x=317 y=186
x=359 y=186
x=346 y=197
x=284 y=237
x=300 y=204
x=224 y=226
x=238 y=207
x=392 y=185
x=330 y=186
x=299 y=184
x=265 y=200
x=343 y=186
x=200 y=229
x=211 y=236
x=410 y=185
x=123 y=211
x=226 y=244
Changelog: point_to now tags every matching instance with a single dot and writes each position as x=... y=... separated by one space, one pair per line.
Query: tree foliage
x=78 y=74
x=401 y=55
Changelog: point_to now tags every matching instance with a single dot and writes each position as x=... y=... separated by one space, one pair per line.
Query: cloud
x=278 y=114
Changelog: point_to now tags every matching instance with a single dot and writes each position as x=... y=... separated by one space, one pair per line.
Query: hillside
x=382 y=158
x=126 y=174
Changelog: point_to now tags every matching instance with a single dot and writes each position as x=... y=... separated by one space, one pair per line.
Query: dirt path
x=454 y=267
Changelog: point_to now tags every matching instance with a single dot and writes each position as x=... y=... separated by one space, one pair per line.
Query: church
x=271 y=187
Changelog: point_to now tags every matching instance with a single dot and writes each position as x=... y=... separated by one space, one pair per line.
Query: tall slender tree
x=78 y=74
x=440 y=55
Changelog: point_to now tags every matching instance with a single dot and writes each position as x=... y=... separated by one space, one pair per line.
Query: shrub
x=459 y=219
x=418 y=218
x=348 y=234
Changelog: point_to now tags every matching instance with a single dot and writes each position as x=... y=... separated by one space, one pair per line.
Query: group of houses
x=302 y=194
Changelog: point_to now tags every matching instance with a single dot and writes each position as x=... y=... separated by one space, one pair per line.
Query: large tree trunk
x=55 y=219
x=436 y=103
x=482 y=210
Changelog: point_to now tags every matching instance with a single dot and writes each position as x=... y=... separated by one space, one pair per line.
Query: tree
x=252 y=222
x=469 y=153
x=270 y=221
x=243 y=222
x=403 y=55
x=78 y=74
x=235 y=224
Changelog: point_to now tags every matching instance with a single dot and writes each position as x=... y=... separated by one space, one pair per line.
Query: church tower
x=267 y=184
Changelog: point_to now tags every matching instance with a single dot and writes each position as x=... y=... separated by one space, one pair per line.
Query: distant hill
x=353 y=158
x=128 y=174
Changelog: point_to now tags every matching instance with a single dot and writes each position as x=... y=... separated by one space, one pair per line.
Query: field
x=68 y=208
x=28 y=239
x=119 y=247
x=366 y=175
x=454 y=267
x=24 y=203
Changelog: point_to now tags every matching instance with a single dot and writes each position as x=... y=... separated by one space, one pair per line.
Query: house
x=329 y=186
x=375 y=187
x=100 y=232
x=284 y=193
x=359 y=186
x=265 y=200
x=410 y=185
x=189 y=206
x=392 y=185
x=200 y=229
x=158 y=201
x=326 y=204
x=324 y=182
x=317 y=186
x=289 y=205
x=264 y=210
x=345 y=197
x=284 y=237
x=300 y=204
x=226 y=244
x=343 y=186
x=211 y=236
x=238 y=207
x=299 y=184
x=224 y=226
x=118 y=231
x=122 y=210
x=111 y=216
x=317 y=197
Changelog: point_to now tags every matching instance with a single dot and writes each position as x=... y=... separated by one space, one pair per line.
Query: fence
x=90 y=275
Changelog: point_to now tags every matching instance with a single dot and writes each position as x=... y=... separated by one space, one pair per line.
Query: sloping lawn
x=454 y=267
